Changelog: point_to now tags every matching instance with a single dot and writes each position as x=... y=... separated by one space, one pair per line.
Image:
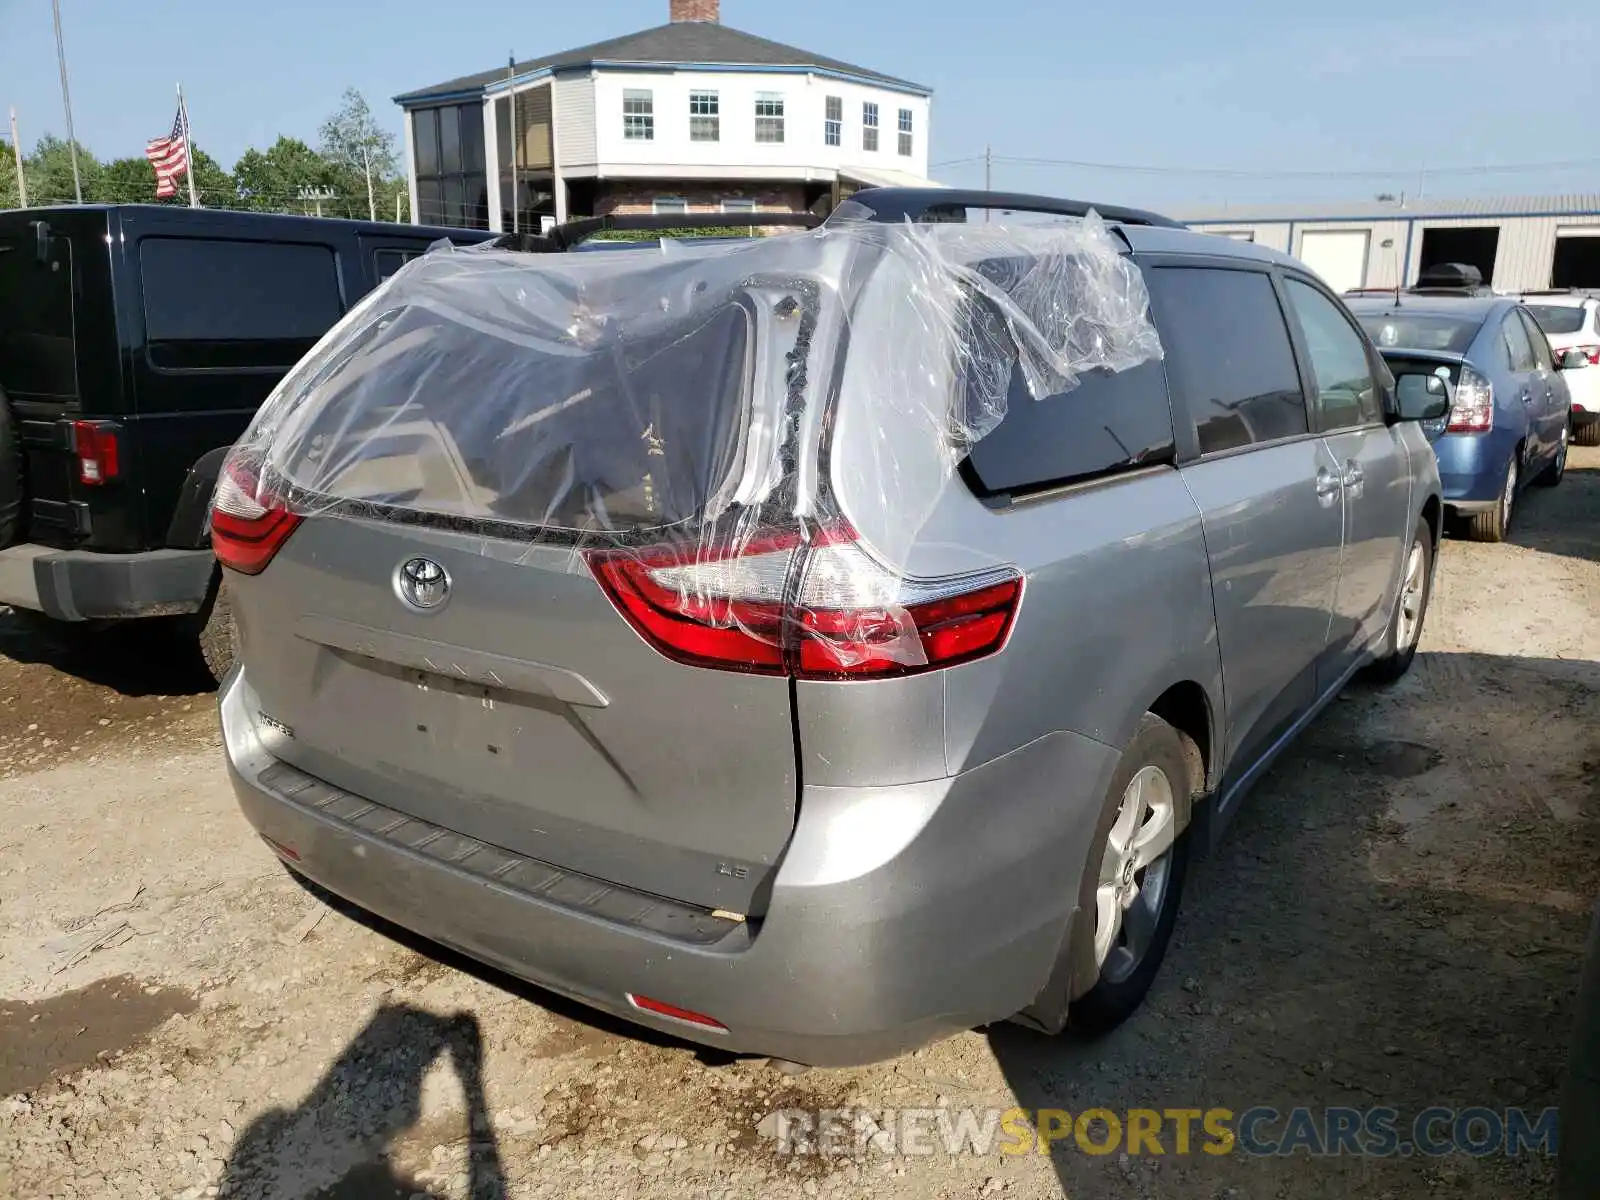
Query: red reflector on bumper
x=676 y=1013
x=284 y=851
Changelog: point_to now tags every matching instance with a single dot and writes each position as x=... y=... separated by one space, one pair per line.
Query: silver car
x=832 y=786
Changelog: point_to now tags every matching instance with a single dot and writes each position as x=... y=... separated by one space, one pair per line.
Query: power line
x=1230 y=173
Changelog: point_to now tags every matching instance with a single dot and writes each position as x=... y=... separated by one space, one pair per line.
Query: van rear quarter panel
x=1116 y=608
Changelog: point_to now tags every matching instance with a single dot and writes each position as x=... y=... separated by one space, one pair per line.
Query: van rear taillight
x=94 y=444
x=245 y=533
x=849 y=617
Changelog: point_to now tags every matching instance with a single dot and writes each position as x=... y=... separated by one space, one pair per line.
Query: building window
x=638 y=115
x=833 y=126
x=705 y=117
x=738 y=206
x=869 y=127
x=905 y=132
x=769 y=118
x=452 y=176
x=669 y=206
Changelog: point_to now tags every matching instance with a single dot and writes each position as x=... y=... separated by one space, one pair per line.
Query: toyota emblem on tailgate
x=423 y=583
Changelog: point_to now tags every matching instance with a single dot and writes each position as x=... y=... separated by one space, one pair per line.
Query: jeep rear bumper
x=83 y=585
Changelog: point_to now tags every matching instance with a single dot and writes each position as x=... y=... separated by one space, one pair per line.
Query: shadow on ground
x=345 y=1129
x=1571 y=529
x=135 y=658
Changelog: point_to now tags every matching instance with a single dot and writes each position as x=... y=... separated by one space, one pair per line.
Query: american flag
x=170 y=157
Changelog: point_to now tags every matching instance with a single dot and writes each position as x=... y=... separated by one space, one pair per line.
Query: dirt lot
x=1395 y=920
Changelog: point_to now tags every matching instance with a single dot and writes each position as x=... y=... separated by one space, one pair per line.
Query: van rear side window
x=1112 y=420
x=1229 y=358
x=211 y=304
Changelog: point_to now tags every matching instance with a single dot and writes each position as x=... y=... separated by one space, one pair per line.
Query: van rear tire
x=13 y=490
x=1122 y=977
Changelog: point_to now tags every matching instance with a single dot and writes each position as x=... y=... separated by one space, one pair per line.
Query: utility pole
x=66 y=102
x=16 y=148
x=988 y=176
x=372 y=200
x=398 y=196
x=516 y=159
x=311 y=195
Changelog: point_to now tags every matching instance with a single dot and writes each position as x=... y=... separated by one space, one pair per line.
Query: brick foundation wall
x=701 y=197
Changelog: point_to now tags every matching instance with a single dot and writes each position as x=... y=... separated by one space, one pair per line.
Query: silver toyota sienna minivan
x=815 y=645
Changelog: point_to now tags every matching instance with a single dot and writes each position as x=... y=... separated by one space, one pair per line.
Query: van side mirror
x=41 y=240
x=1423 y=396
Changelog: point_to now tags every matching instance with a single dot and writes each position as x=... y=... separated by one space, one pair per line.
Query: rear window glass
x=38 y=358
x=632 y=433
x=1421 y=331
x=1229 y=357
x=1109 y=421
x=1558 y=318
x=224 y=305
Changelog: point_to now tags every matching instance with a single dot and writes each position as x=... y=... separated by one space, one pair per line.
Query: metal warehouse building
x=1520 y=243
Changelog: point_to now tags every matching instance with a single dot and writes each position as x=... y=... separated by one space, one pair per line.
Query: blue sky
x=1245 y=86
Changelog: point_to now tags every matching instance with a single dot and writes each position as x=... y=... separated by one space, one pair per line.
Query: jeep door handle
x=1328 y=485
x=1354 y=476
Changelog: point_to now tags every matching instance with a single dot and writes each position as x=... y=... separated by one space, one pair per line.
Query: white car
x=1571 y=320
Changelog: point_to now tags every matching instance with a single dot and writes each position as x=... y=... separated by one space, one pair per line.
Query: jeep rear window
x=211 y=304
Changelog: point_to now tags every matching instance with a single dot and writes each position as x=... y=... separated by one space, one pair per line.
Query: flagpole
x=16 y=148
x=188 y=148
x=66 y=102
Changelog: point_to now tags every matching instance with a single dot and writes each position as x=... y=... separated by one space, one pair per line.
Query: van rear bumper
x=84 y=585
x=899 y=914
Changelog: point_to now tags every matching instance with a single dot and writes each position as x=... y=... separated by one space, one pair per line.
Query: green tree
x=9 y=195
x=49 y=170
x=352 y=143
x=125 y=181
x=271 y=180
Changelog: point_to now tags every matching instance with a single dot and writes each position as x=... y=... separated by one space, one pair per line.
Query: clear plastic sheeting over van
x=667 y=415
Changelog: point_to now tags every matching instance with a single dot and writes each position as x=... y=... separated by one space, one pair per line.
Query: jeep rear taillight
x=822 y=608
x=1473 y=410
x=94 y=444
x=246 y=533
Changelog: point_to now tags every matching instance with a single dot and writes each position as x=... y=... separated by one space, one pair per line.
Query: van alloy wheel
x=1133 y=874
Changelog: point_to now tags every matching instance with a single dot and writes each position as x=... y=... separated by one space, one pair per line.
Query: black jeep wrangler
x=135 y=344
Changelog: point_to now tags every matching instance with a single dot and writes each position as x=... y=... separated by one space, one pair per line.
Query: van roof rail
x=951 y=204
x=887 y=205
x=567 y=235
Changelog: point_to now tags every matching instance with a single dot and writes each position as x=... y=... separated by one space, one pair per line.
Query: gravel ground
x=1395 y=919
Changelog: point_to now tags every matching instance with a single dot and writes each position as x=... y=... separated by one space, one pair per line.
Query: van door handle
x=1354 y=478
x=1328 y=485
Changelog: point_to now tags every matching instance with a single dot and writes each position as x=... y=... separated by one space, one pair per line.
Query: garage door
x=1338 y=255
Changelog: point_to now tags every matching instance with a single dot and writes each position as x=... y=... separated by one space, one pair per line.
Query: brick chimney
x=695 y=10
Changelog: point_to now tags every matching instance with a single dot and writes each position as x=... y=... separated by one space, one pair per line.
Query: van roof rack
x=951 y=204
x=568 y=235
x=932 y=205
